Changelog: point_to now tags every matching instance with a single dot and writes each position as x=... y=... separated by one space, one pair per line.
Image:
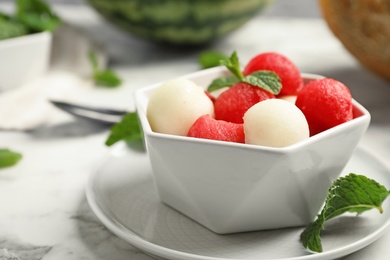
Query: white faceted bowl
x=23 y=59
x=232 y=187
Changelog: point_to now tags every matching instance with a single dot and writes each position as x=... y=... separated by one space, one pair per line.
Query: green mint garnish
x=31 y=16
x=352 y=193
x=264 y=79
x=128 y=129
x=222 y=83
x=233 y=65
x=3 y=17
x=209 y=59
x=11 y=29
x=36 y=15
x=104 y=78
x=107 y=78
x=9 y=158
x=93 y=60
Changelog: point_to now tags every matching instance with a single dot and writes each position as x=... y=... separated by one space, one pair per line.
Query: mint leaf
x=3 y=17
x=209 y=59
x=9 y=158
x=107 y=78
x=11 y=29
x=104 y=78
x=128 y=129
x=311 y=236
x=233 y=65
x=36 y=15
x=264 y=79
x=93 y=60
x=222 y=83
x=31 y=16
x=351 y=193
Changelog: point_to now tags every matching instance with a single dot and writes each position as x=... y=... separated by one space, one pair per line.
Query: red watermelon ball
x=232 y=104
x=325 y=103
x=209 y=128
x=287 y=71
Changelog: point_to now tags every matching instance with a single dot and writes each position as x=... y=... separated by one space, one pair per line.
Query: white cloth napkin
x=28 y=106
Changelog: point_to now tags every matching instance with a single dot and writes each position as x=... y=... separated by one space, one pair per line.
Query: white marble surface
x=43 y=209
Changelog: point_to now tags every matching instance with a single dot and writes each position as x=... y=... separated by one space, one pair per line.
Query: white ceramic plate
x=122 y=195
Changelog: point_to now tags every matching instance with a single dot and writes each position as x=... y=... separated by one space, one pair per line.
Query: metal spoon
x=102 y=115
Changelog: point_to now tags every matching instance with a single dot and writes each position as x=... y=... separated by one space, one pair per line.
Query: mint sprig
x=105 y=78
x=128 y=129
x=9 y=158
x=31 y=16
x=222 y=82
x=36 y=15
x=209 y=59
x=264 y=79
x=352 y=193
x=11 y=29
x=233 y=65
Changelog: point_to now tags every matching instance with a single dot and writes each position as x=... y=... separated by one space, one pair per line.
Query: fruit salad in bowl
x=260 y=154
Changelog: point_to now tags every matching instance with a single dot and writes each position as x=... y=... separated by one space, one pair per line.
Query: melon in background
x=180 y=22
x=363 y=27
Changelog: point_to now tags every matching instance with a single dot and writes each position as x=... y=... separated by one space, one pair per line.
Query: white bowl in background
x=231 y=187
x=23 y=59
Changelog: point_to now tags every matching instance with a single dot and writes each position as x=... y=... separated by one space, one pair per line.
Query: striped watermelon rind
x=179 y=21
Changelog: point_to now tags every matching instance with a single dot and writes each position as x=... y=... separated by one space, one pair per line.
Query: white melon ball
x=289 y=98
x=175 y=105
x=276 y=123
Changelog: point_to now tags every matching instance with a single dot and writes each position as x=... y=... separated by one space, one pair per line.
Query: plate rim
x=156 y=250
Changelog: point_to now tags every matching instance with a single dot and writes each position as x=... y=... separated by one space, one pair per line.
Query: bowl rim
x=142 y=106
x=25 y=39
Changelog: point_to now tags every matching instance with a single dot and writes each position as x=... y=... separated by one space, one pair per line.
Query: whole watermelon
x=179 y=22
